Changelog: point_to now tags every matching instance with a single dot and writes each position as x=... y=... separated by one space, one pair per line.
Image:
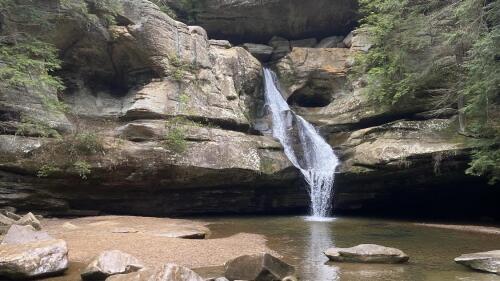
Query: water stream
x=305 y=148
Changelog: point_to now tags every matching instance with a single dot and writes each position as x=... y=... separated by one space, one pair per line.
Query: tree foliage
x=448 y=47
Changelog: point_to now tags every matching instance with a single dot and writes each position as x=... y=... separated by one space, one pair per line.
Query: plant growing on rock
x=444 y=50
x=69 y=153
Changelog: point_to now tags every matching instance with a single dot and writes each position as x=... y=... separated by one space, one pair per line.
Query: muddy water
x=301 y=242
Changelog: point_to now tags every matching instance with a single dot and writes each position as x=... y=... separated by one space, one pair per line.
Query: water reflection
x=319 y=239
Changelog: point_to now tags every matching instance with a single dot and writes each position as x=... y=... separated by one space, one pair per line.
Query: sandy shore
x=468 y=228
x=141 y=237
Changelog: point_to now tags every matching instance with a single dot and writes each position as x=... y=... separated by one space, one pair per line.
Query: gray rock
x=281 y=47
x=304 y=43
x=484 y=261
x=168 y=272
x=217 y=279
x=367 y=253
x=220 y=43
x=259 y=20
x=348 y=39
x=331 y=42
x=34 y=259
x=260 y=51
x=30 y=219
x=6 y=221
x=111 y=263
x=258 y=267
x=20 y=234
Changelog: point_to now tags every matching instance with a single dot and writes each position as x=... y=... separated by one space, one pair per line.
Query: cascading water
x=305 y=148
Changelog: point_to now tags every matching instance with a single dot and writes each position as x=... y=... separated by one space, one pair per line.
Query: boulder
x=281 y=47
x=259 y=267
x=367 y=253
x=20 y=234
x=260 y=51
x=484 y=261
x=30 y=219
x=331 y=42
x=168 y=272
x=110 y=263
x=34 y=259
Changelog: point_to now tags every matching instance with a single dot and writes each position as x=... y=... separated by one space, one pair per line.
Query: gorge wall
x=180 y=125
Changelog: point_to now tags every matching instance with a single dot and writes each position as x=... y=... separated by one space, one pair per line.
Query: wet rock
x=34 y=259
x=30 y=219
x=20 y=234
x=259 y=267
x=168 y=272
x=367 y=253
x=260 y=51
x=11 y=215
x=110 y=263
x=484 y=261
x=217 y=279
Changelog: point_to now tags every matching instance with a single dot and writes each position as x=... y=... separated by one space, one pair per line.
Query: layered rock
x=258 y=21
x=144 y=70
x=168 y=272
x=260 y=267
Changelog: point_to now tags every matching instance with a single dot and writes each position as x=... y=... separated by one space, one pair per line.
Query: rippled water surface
x=302 y=242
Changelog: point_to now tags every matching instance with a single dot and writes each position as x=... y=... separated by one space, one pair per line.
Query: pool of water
x=301 y=242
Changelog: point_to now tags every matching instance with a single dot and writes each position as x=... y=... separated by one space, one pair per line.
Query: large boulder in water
x=34 y=259
x=367 y=253
x=110 y=263
x=168 y=272
x=485 y=261
x=259 y=267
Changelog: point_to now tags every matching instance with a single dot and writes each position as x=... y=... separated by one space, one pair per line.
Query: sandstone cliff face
x=257 y=21
x=148 y=77
x=124 y=82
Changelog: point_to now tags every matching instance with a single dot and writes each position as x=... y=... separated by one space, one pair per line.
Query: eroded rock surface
x=260 y=267
x=34 y=259
x=168 y=272
x=258 y=21
x=110 y=263
x=485 y=261
x=367 y=253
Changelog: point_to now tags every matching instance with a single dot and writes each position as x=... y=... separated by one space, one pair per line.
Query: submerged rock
x=259 y=267
x=111 y=263
x=168 y=272
x=184 y=234
x=484 y=261
x=367 y=253
x=34 y=259
x=20 y=234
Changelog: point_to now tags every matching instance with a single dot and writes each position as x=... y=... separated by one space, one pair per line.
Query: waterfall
x=305 y=148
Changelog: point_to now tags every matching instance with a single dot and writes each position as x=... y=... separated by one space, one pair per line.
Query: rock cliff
x=177 y=120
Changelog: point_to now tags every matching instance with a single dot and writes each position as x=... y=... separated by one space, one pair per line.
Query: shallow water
x=302 y=242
